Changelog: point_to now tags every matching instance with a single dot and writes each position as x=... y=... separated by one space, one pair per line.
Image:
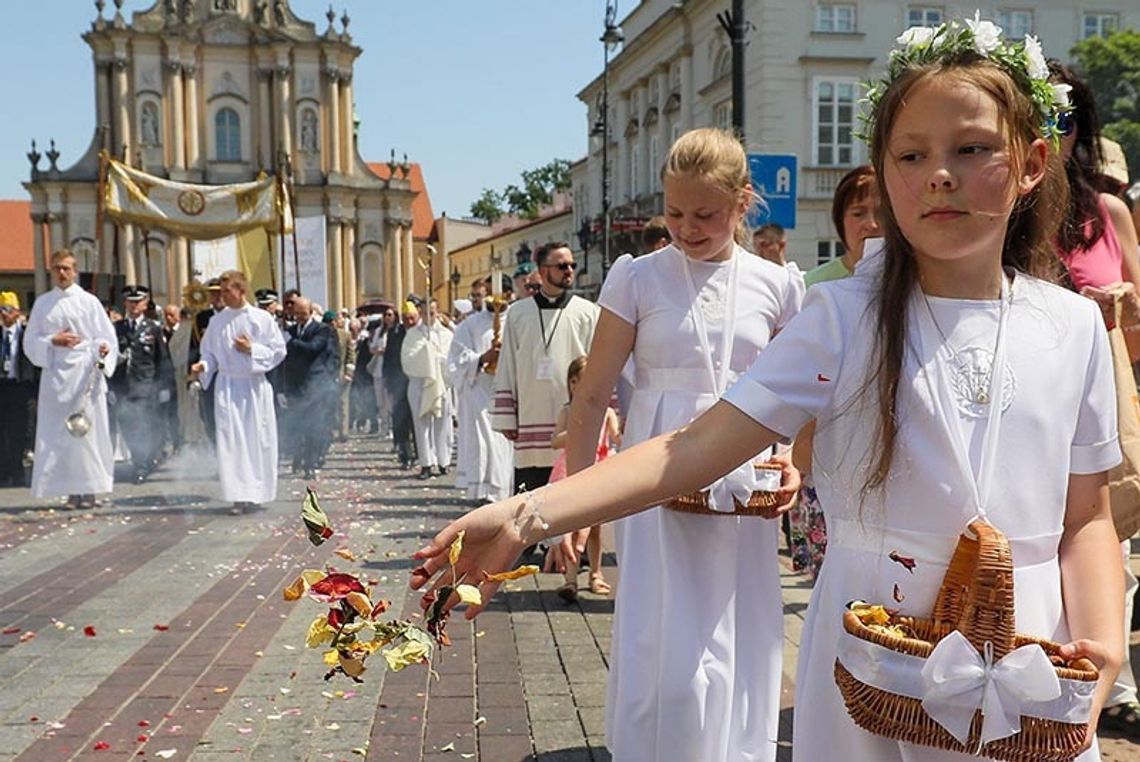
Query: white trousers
x=433 y=434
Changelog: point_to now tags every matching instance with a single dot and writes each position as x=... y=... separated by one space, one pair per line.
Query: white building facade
x=804 y=63
x=215 y=91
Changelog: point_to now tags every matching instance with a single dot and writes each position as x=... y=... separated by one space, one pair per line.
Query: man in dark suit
x=18 y=384
x=310 y=376
x=201 y=320
x=396 y=384
x=142 y=381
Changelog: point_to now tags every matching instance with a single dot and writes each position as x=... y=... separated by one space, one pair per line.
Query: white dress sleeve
x=619 y=292
x=1095 y=445
x=793 y=380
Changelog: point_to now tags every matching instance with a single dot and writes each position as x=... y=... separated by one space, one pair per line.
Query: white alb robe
x=67 y=465
x=243 y=401
x=486 y=457
x=424 y=359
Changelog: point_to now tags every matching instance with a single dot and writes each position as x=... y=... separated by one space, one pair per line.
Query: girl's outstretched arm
x=672 y=464
x=1092 y=583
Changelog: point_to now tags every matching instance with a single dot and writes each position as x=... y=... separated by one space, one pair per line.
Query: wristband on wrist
x=529 y=520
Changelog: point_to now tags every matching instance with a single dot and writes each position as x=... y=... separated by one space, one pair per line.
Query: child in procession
x=951 y=381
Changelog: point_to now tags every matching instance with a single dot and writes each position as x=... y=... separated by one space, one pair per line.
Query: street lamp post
x=611 y=37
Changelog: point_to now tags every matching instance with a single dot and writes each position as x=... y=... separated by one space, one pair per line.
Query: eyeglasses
x=1066 y=124
x=532 y=288
x=565 y=266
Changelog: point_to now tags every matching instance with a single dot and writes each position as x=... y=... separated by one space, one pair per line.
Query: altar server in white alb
x=72 y=339
x=423 y=356
x=541 y=336
x=487 y=458
x=239 y=347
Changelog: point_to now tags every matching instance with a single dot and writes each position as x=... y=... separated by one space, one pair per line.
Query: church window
x=227 y=135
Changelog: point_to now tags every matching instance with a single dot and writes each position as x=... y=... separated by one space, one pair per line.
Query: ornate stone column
x=332 y=110
x=103 y=93
x=180 y=251
x=351 y=292
x=396 y=242
x=177 y=116
x=41 y=271
x=336 y=281
x=127 y=254
x=409 y=251
x=347 y=148
x=265 y=118
x=284 y=109
x=122 y=109
x=193 y=119
x=620 y=167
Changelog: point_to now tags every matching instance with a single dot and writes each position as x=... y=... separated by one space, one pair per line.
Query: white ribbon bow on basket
x=738 y=485
x=958 y=680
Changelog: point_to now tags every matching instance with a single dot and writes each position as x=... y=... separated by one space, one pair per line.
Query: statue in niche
x=149 y=125
x=309 y=130
x=225 y=6
x=279 y=13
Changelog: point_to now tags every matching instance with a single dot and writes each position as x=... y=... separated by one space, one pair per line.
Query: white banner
x=212 y=258
x=199 y=212
x=311 y=258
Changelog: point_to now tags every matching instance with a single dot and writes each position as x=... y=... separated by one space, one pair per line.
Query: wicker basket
x=698 y=502
x=976 y=598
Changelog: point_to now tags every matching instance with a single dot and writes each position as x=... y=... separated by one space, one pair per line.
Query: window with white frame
x=1100 y=24
x=834 y=106
x=1017 y=24
x=923 y=15
x=654 y=163
x=835 y=17
x=722 y=115
x=722 y=65
x=825 y=251
x=227 y=135
x=634 y=167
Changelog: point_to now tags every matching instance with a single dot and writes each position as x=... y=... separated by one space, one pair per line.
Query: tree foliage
x=1111 y=67
x=537 y=189
x=488 y=207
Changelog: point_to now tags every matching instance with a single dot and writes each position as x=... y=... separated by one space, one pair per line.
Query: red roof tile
x=17 y=253
x=422 y=217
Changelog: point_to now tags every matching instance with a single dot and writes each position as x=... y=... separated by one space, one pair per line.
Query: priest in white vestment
x=486 y=456
x=240 y=346
x=71 y=338
x=423 y=357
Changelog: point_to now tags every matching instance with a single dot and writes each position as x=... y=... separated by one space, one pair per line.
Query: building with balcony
x=804 y=62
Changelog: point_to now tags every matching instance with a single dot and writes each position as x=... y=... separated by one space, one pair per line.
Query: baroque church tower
x=215 y=92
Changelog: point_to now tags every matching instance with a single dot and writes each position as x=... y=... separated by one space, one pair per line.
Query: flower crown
x=1023 y=61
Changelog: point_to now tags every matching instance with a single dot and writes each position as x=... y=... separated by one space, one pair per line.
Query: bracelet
x=529 y=515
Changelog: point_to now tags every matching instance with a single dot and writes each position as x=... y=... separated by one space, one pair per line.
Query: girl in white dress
x=694 y=667
x=950 y=381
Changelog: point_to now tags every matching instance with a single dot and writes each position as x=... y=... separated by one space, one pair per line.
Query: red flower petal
x=89 y=631
x=336 y=618
x=144 y=724
x=335 y=587
x=162 y=627
x=379 y=609
x=102 y=746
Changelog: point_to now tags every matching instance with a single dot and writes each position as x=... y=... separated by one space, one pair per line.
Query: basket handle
x=976 y=597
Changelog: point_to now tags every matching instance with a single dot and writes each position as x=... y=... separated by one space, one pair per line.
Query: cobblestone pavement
x=153 y=628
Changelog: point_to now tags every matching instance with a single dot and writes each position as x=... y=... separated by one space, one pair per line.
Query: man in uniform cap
x=142 y=380
x=17 y=387
x=266 y=299
x=526 y=281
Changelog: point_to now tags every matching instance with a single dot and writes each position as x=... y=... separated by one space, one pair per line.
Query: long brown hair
x=1028 y=239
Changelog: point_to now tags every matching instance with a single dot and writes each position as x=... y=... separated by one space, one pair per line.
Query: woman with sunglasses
x=1097 y=245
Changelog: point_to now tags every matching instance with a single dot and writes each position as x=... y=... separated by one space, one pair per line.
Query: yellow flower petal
x=331 y=658
x=295 y=590
x=360 y=602
x=519 y=573
x=408 y=652
x=456 y=548
x=469 y=594
x=319 y=633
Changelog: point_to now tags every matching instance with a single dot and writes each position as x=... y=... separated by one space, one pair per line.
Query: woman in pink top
x=1097 y=244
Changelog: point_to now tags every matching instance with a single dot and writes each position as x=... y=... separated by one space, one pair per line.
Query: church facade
x=216 y=92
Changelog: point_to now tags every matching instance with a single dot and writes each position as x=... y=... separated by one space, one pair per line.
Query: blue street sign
x=774 y=180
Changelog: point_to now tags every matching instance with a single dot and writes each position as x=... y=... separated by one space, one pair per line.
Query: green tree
x=537 y=189
x=1111 y=68
x=488 y=207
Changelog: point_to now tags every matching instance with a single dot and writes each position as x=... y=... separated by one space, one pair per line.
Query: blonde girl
x=590 y=540
x=950 y=381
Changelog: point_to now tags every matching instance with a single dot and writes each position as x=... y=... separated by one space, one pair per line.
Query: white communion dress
x=1058 y=418
x=697 y=639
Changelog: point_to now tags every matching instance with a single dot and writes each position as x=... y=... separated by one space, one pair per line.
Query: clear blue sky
x=474 y=91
